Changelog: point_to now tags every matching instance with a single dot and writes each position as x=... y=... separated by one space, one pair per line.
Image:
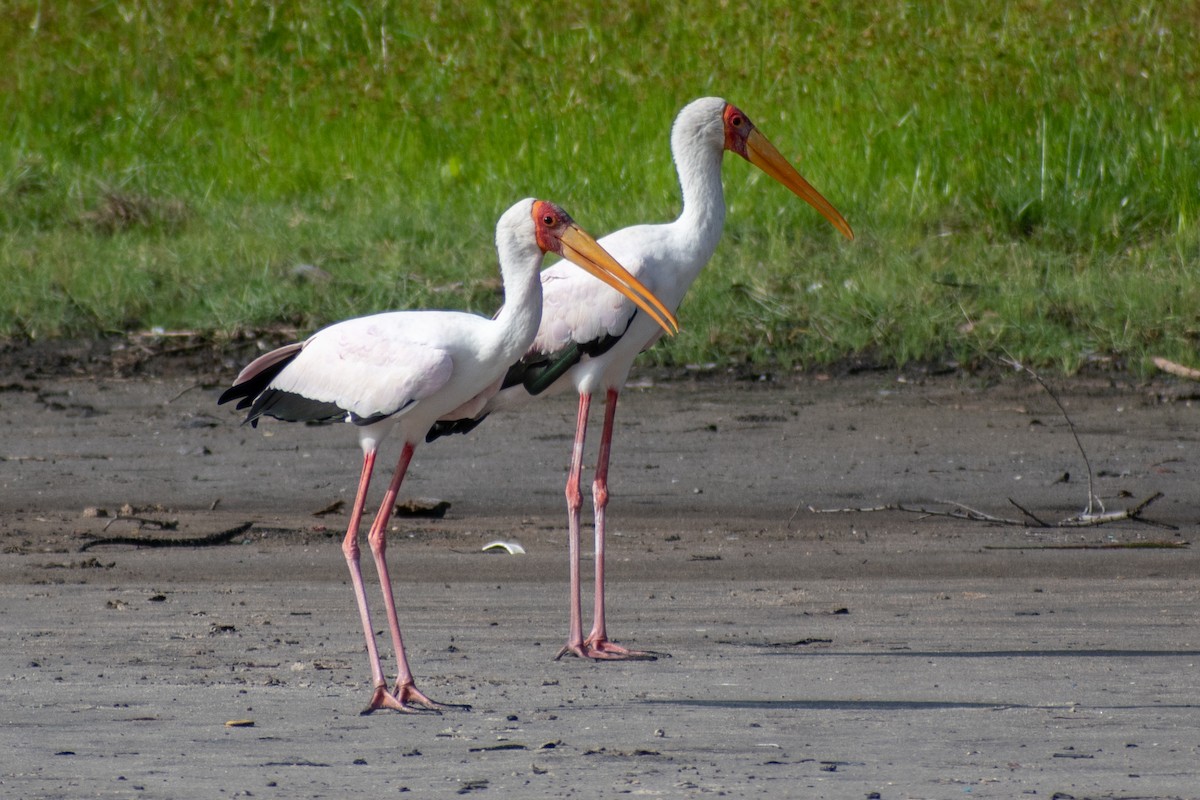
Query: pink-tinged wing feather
x=370 y=365
x=578 y=308
x=266 y=361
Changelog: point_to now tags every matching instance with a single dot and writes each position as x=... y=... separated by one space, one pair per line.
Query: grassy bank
x=1023 y=177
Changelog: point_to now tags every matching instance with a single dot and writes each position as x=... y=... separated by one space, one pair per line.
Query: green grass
x=1024 y=177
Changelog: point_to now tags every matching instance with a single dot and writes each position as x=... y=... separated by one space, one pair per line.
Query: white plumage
x=404 y=370
x=589 y=336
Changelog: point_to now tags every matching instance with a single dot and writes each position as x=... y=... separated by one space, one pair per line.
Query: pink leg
x=350 y=550
x=597 y=644
x=574 y=643
x=406 y=691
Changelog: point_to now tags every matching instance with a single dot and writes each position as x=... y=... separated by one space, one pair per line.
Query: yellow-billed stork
x=405 y=370
x=589 y=335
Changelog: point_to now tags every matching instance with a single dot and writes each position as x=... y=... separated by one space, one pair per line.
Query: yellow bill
x=585 y=252
x=762 y=154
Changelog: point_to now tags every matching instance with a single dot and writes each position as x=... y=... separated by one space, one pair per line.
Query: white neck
x=518 y=318
x=698 y=146
x=703 y=217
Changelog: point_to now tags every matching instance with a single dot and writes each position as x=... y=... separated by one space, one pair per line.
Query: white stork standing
x=407 y=369
x=589 y=336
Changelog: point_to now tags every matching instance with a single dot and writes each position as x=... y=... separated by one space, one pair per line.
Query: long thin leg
x=574 y=643
x=597 y=644
x=406 y=691
x=350 y=550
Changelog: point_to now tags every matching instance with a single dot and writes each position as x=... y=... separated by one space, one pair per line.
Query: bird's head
x=743 y=138
x=555 y=232
x=718 y=124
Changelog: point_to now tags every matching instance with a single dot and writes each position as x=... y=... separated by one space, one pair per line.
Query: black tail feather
x=447 y=427
x=291 y=407
x=253 y=381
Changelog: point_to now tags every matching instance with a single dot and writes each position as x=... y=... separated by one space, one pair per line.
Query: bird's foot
x=611 y=650
x=409 y=693
x=569 y=649
x=604 y=650
x=408 y=699
x=382 y=698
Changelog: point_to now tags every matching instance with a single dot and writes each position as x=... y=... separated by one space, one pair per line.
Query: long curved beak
x=762 y=154
x=585 y=252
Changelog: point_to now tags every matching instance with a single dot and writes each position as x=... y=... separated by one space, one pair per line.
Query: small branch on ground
x=960 y=511
x=1179 y=370
x=1087 y=518
x=160 y=524
x=224 y=537
x=1093 y=498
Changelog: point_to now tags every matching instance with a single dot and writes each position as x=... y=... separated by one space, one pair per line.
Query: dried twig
x=960 y=511
x=1174 y=544
x=1089 y=517
x=1029 y=514
x=160 y=524
x=1178 y=370
x=1092 y=496
x=196 y=541
x=1134 y=513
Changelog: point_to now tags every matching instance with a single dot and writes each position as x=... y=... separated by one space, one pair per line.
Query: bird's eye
x=737 y=121
x=548 y=220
